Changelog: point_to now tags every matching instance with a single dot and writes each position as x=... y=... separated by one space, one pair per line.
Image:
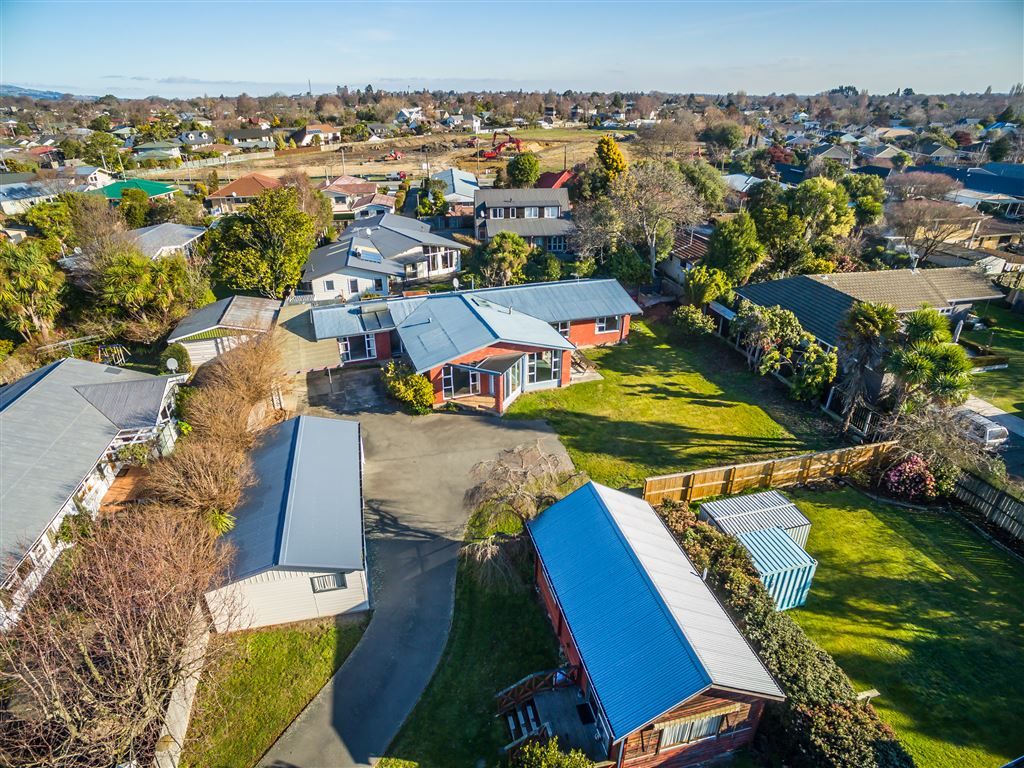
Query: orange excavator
x=496 y=148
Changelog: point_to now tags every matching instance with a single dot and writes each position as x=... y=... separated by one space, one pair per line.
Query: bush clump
x=408 y=387
x=179 y=353
x=691 y=321
x=820 y=724
x=910 y=480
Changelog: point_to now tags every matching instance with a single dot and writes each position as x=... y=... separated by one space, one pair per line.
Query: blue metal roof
x=773 y=551
x=565 y=300
x=648 y=629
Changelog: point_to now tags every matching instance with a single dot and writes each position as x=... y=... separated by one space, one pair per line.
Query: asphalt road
x=416 y=472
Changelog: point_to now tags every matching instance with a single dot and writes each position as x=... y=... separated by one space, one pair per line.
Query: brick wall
x=583 y=333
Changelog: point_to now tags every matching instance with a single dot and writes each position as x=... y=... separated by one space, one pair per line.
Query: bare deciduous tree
x=89 y=667
x=935 y=186
x=925 y=224
x=651 y=197
x=666 y=138
x=509 y=491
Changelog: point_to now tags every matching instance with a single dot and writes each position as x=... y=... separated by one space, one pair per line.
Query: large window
x=551 y=212
x=692 y=730
x=358 y=348
x=531 y=212
x=497 y=213
x=543 y=366
x=556 y=244
x=608 y=324
x=459 y=382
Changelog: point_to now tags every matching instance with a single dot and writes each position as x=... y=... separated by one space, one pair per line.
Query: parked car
x=982 y=429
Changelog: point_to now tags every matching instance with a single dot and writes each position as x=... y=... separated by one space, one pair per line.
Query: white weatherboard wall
x=280 y=595
x=205 y=350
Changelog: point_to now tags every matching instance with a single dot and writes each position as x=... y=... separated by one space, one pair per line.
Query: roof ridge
x=662 y=602
x=283 y=527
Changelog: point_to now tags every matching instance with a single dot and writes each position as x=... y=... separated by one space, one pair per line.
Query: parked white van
x=982 y=429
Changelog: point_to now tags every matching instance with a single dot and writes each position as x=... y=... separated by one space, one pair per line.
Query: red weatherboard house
x=669 y=681
x=484 y=348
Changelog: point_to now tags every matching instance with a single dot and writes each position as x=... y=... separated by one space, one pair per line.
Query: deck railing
x=530 y=685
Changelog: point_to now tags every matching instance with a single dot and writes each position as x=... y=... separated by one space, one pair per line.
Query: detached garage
x=214 y=329
x=756 y=512
x=298 y=533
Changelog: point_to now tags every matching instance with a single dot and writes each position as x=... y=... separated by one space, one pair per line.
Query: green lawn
x=266 y=679
x=922 y=608
x=496 y=639
x=1005 y=388
x=670 y=406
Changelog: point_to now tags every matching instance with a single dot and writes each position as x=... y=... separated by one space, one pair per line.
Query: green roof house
x=153 y=189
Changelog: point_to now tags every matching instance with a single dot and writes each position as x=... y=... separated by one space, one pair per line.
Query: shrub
x=179 y=353
x=536 y=755
x=692 y=322
x=135 y=454
x=990 y=321
x=910 y=480
x=408 y=387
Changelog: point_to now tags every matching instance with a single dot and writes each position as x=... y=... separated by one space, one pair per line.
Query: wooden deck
x=562 y=711
x=484 y=403
x=125 y=489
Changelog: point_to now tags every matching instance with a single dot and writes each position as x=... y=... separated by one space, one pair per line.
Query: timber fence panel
x=996 y=505
x=771 y=473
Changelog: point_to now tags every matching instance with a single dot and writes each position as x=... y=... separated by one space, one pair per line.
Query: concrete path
x=416 y=472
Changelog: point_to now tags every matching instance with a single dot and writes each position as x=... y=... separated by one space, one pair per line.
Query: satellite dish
x=172 y=364
x=455 y=283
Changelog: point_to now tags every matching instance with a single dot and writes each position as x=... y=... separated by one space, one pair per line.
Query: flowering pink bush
x=910 y=480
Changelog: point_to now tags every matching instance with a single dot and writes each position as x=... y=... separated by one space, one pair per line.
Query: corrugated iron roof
x=306 y=510
x=650 y=632
x=773 y=551
x=248 y=313
x=754 y=512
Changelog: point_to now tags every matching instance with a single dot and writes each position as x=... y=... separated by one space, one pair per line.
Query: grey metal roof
x=458 y=184
x=444 y=327
x=52 y=434
x=754 y=512
x=306 y=510
x=531 y=227
x=249 y=313
x=565 y=300
x=151 y=240
x=495 y=197
x=338 y=320
x=607 y=554
x=382 y=244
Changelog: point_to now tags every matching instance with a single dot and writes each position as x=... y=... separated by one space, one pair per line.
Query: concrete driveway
x=416 y=472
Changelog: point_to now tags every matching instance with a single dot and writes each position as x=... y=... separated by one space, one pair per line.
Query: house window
x=551 y=212
x=531 y=212
x=378 y=285
x=329 y=582
x=358 y=348
x=328 y=285
x=608 y=324
x=497 y=213
x=543 y=366
x=556 y=244
x=562 y=328
x=353 y=286
x=692 y=730
x=513 y=213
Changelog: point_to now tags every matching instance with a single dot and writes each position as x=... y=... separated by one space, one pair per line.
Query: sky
x=136 y=48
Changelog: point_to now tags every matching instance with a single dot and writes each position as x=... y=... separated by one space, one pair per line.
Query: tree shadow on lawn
x=939 y=639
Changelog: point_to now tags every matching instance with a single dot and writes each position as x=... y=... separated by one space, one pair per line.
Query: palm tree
x=864 y=336
x=926 y=325
x=30 y=289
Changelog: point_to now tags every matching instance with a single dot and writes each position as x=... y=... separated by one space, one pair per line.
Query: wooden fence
x=772 y=473
x=997 y=506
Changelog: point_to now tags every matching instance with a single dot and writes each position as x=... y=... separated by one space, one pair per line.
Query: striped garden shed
x=755 y=512
x=785 y=569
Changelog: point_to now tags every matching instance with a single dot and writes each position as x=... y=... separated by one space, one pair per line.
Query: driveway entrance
x=416 y=472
